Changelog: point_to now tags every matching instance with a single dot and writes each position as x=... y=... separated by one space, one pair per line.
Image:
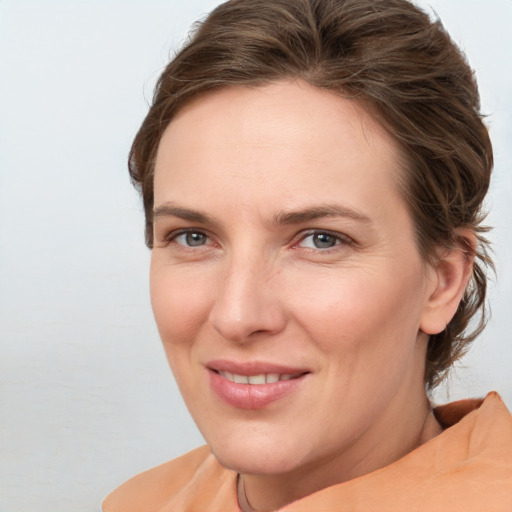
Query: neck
x=403 y=427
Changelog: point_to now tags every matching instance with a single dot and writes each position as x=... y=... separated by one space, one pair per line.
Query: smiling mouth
x=262 y=378
x=254 y=385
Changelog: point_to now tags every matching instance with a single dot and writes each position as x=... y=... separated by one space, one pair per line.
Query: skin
x=355 y=310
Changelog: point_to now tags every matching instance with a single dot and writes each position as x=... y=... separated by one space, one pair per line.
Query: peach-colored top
x=468 y=468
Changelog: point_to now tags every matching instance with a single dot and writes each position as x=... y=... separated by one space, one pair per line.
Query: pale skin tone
x=281 y=237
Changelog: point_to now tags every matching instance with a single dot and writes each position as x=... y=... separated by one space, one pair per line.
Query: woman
x=313 y=174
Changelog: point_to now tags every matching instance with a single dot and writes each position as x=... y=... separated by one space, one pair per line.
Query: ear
x=449 y=278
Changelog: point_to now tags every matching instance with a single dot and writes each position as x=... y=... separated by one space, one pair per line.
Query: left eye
x=191 y=239
x=320 y=240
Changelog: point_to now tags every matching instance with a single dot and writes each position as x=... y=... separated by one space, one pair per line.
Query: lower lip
x=252 y=396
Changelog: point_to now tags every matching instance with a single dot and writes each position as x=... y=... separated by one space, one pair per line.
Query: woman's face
x=285 y=279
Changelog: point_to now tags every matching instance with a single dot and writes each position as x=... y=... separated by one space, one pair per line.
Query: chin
x=256 y=459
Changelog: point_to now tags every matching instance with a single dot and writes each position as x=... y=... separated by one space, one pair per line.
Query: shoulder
x=149 y=490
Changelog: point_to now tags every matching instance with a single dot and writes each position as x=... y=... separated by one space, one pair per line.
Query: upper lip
x=252 y=367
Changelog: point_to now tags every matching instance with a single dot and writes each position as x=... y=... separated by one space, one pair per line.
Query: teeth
x=262 y=378
x=257 y=379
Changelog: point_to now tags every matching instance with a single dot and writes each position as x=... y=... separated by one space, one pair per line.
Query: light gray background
x=86 y=399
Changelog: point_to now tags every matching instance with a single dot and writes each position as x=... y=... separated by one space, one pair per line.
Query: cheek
x=179 y=303
x=362 y=313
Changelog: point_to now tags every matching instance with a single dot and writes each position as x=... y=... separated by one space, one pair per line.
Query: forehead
x=276 y=142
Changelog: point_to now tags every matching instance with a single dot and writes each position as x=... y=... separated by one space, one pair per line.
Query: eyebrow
x=319 y=212
x=281 y=218
x=171 y=210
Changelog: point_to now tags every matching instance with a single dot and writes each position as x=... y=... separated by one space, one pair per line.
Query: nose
x=247 y=303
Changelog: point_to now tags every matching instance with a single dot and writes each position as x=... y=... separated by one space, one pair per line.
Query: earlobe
x=449 y=278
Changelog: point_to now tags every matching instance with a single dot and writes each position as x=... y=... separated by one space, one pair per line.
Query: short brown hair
x=404 y=68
